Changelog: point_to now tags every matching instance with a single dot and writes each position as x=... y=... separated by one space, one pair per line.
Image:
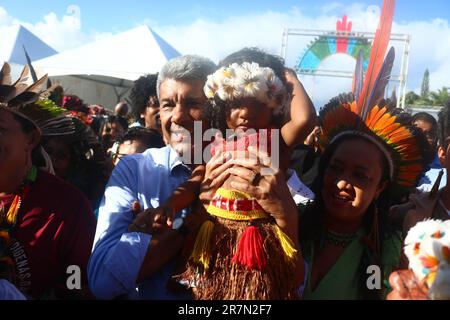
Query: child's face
x=248 y=113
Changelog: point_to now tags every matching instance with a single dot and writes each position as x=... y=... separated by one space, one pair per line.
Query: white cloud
x=61 y=33
x=430 y=42
x=5 y=18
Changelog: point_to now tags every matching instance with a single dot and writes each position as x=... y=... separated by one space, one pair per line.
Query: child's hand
x=293 y=83
x=267 y=184
x=313 y=139
x=291 y=76
x=216 y=172
x=149 y=221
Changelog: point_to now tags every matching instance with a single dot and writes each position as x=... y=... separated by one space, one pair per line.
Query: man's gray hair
x=188 y=67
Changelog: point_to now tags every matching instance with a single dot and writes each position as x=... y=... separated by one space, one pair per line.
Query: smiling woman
x=342 y=233
x=371 y=156
x=353 y=179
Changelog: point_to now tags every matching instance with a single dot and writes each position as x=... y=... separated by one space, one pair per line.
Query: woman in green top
x=370 y=153
x=344 y=231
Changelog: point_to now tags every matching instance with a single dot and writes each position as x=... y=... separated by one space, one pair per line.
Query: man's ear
x=33 y=139
x=442 y=156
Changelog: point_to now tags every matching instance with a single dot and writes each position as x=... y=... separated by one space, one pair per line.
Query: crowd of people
x=279 y=203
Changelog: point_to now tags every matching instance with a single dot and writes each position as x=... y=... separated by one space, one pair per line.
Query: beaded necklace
x=8 y=221
x=339 y=239
x=11 y=216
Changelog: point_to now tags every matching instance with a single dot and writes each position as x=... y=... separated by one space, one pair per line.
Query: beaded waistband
x=235 y=205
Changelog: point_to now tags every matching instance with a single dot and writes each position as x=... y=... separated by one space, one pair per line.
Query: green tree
x=440 y=97
x=425 y=89
x=411 y=98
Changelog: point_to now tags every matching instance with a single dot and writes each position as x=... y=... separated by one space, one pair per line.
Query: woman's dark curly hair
x=143 y=89
x=216 y=110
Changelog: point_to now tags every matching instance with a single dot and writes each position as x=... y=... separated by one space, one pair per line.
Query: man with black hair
x=434 y=204
x=144 y=102
x=111 y=129
x=429 y=126
x=137 y=140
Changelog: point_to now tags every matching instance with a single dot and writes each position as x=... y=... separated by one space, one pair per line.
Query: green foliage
x=411 y=98
x=50 y=107
x=425 y=88
x=435 y=98
x=440 y=97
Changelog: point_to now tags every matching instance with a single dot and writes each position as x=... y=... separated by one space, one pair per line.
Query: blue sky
x=118 y=15
x=216 y=28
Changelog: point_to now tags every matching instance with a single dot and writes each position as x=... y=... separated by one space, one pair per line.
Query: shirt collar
x=175 y=160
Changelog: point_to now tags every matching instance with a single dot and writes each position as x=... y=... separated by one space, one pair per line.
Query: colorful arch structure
x=342 y=41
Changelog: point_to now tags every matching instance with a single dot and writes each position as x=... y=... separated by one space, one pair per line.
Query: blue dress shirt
x=117 y=256
x=428 y=179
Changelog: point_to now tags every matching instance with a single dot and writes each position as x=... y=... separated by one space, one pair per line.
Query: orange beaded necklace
x=10 y=218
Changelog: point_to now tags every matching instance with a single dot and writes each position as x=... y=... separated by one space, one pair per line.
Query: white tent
x=102 y=72
x=12 y=41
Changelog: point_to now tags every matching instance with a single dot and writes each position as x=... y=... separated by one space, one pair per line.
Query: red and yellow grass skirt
x=241 y=253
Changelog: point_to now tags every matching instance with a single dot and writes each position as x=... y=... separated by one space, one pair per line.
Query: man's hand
x=418 y=208
x=423 y=206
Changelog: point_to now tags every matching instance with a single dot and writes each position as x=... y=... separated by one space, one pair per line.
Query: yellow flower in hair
x=228 y=90
x=210 y=87
x=227 y=72
x=251 y=86
x=252 y=70
x=209 y=92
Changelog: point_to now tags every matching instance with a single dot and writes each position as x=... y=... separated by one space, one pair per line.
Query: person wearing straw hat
x=46 y=226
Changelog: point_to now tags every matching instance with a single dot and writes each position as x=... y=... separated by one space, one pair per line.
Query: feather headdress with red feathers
x=365 y=113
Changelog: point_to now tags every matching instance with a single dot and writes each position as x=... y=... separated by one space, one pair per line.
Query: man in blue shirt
x=136 y=264
x=428 y=124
